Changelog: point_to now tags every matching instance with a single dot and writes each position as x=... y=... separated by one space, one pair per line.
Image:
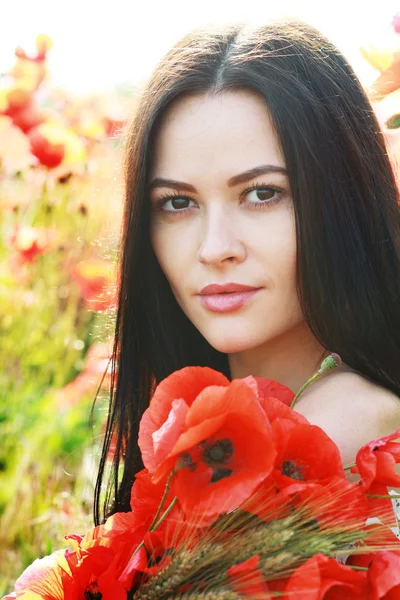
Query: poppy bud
x=330 y=362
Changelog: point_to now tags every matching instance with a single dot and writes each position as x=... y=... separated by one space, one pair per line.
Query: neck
x=291 y=359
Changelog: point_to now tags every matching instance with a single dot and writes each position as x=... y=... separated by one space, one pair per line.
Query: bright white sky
x=98 y=43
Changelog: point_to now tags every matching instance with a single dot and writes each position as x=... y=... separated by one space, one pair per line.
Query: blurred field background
x=68 y=84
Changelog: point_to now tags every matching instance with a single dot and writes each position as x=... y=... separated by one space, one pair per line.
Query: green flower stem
x=395 y=496
x=155 y=523
x=330 y=362
x=167 y=511
x=350 y=466
x=136 y=551
x=356 y=568
x=154 y=527
x=162 y=500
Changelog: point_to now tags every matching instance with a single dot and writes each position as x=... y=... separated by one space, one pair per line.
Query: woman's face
x=225 y=222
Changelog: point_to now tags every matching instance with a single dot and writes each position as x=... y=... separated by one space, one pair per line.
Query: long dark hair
x=346 y=212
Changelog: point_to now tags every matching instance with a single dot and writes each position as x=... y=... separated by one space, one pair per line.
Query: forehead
x=226 y=131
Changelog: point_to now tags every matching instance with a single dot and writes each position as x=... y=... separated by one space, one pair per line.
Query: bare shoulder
x=351 y=409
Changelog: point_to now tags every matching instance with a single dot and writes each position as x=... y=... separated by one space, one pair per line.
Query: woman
x=255 y=160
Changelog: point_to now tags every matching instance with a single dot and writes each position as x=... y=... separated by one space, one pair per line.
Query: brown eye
x=261 y=195
x=265 y=194
x=179 y=203
x=174 y=204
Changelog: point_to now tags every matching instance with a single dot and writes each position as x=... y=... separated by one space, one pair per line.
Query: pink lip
x=215 y=288
x=226 y=298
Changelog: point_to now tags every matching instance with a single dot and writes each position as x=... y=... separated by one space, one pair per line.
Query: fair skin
x=217 y=231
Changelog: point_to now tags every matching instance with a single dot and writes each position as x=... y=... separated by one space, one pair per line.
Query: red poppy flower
x=376 y=464
x=309 y=470
x=275 y=399
x=322 y=577
x=384 y=575
x=44 y=578
x=308 y=473
x=216 y=468
x=97 y=568
x=119 y=535
x=129 y=527
x=305 y=453
x=275 y=409
x=94 y=575
x=376 y=461
x=268 y=388
x=163 y=421
x=383 y=565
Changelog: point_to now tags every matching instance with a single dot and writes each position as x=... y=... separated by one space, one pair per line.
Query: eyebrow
x=235 y=180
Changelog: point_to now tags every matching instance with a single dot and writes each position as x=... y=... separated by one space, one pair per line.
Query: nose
x=220 y=242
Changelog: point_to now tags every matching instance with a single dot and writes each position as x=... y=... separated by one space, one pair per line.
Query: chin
x=231 y=345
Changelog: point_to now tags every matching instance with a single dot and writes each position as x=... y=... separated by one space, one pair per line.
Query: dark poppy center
x=220 y=452
x=92 y=591
x=220 y=473
x=292 y=470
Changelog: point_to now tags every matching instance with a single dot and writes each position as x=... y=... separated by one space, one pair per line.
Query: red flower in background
x=27 y=74
x=96 y=370
x=54 y=145
x=23 y=109
x=95 y=279
x=30 y=242
x=49 y=153
x=31 y=71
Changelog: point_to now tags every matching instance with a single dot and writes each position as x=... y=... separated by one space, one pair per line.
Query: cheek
x=280 y=260
x=275 y=247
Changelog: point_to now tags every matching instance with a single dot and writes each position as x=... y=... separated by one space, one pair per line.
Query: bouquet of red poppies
x=240 y=497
